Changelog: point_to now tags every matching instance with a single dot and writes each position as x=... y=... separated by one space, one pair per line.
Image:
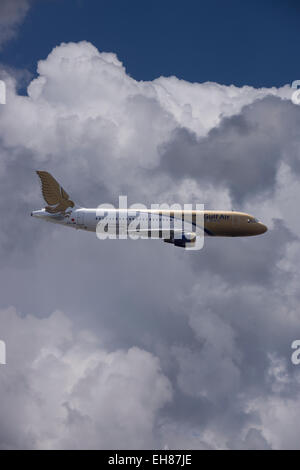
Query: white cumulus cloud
x=72 y=392
x=182 y=347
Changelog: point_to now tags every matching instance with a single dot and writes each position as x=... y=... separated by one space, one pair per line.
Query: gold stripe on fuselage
x=219 y=223
x=232 y=224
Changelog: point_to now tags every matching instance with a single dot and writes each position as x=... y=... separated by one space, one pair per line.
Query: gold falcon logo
x=54 y=194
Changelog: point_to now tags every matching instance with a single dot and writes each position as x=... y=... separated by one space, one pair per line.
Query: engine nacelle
x=187 y=239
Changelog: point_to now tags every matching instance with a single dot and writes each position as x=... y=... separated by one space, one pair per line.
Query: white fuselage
x=157 y=223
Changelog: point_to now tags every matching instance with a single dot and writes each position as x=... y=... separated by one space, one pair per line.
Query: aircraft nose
x=263 y=228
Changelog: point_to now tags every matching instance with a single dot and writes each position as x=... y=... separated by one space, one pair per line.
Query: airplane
x=178 y=227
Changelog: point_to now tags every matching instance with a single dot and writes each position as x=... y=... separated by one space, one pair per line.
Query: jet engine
x=187 y=239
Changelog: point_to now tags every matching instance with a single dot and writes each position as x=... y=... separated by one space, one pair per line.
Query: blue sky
x=232 y=42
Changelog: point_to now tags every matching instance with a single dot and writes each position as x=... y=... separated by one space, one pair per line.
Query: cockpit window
x=252 y=221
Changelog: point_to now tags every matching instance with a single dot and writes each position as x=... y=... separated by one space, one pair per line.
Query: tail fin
x=55 y=196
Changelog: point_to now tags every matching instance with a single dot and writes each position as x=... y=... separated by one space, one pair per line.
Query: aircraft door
x=80 y=218
x=236 y=220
